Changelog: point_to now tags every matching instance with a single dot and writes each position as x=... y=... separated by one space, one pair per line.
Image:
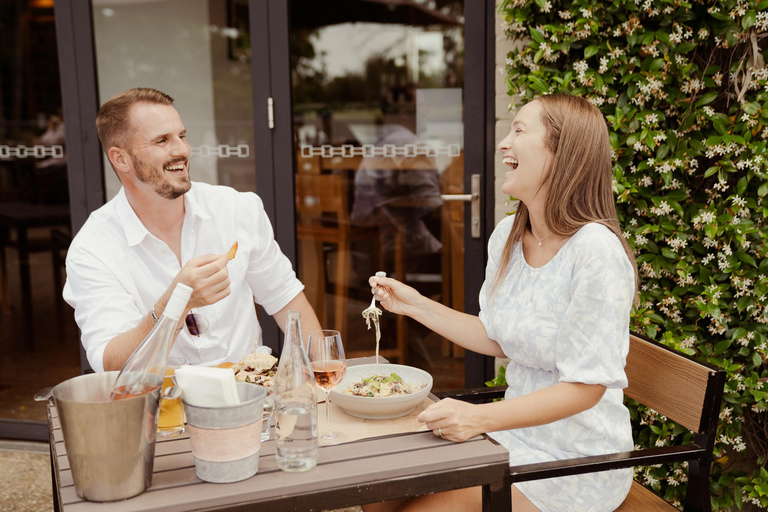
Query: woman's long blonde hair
x=579 y=180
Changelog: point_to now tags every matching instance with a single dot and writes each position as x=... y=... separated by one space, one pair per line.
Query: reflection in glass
x=378 y=109
x=198 y=51
x=37 y=328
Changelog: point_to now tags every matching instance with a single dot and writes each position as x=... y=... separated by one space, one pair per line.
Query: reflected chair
x=60 y=240
x=322 y=209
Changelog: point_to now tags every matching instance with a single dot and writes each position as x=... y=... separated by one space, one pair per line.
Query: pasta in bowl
x=381 y=391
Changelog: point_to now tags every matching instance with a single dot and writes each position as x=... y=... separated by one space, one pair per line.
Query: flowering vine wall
x=684 y=89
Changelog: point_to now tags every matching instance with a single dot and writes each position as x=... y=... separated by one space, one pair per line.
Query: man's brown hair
x=112 y=121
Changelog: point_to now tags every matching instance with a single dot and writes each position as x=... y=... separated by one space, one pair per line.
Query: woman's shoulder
x=595 y=240
x=501 y=233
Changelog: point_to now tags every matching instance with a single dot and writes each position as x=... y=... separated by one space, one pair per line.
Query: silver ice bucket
x=110 y=445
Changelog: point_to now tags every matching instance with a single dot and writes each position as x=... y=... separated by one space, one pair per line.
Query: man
x=162 y=229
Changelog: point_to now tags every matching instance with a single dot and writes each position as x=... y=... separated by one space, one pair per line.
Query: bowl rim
x=428 y=380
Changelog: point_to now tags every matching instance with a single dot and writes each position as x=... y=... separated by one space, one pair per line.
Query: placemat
x=358 y=428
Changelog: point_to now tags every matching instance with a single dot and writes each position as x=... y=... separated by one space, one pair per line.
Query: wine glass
x=326 y=354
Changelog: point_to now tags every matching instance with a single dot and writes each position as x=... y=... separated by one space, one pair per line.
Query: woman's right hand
x=395 y=296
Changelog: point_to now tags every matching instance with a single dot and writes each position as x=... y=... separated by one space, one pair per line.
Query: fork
x=373 y=299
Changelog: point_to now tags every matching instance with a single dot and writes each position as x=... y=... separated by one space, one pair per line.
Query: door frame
x=479 y=124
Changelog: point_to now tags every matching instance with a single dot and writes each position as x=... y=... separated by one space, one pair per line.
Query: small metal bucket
x=226 y=440
x=110 y=445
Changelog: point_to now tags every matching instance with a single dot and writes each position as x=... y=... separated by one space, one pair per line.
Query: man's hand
x=209 y=278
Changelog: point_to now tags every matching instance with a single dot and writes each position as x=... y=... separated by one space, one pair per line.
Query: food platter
x=381 y=408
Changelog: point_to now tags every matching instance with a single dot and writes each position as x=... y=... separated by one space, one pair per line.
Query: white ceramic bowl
x=381 y=408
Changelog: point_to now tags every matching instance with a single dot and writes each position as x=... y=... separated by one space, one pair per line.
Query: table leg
x=497 y=496
x=26 y=289
x=54 y=486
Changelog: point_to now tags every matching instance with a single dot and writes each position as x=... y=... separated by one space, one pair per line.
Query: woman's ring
x=440 y=432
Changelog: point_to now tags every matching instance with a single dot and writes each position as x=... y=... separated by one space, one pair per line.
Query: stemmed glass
x=326 y=354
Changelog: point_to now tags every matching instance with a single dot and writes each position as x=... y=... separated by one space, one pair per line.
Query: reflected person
x=397 y=193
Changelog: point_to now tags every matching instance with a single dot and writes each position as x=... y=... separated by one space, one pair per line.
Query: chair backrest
x=673 y=384
x=318 y=195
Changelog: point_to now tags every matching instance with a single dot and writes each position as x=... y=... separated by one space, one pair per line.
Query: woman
x=559 y=287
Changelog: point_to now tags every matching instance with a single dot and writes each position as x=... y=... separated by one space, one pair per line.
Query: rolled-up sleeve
x=103 y=307
x=593 y=341
x=270 y=273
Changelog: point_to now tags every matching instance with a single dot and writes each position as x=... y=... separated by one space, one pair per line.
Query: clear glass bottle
x=144 y=370
x=295 y=403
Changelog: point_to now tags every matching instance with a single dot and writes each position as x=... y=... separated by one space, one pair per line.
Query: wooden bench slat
x=641 y=499
x=678 y=387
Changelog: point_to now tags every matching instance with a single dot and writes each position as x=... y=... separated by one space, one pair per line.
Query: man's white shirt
x=117 y=270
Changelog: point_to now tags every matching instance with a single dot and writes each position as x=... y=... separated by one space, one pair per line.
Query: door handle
x=474 y=199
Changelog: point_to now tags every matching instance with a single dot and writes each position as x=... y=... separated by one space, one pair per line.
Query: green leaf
x=722 y=347
x=719 y=126
x=757 y=359
x=706 y=99
x=590 y=51
x=649 y=37
x=741 y=186
x=763 y=190
x=748 y=20
x=656 y=64
x=712 y=170
x=684 y=47
x=746 y=258
x=667 y=253
x=751 y=108
x=738 y=333
x=536 y=35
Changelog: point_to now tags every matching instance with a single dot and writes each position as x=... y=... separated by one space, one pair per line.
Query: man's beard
x=163 y=187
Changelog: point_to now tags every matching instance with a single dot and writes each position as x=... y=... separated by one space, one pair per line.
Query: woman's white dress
x=567 y=321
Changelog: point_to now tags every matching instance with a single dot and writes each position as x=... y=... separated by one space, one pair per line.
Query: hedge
x=684 y=89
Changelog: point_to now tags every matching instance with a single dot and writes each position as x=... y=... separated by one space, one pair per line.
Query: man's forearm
x=309 y=321
x=120 y=348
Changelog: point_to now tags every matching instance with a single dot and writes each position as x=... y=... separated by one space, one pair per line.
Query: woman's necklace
x=540 y=239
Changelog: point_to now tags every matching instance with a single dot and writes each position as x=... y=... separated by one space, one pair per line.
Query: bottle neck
x=293 y=328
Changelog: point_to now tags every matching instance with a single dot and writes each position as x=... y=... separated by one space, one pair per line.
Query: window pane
x=197 y=51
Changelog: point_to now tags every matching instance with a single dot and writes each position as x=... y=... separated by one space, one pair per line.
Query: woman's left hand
x=452 y=419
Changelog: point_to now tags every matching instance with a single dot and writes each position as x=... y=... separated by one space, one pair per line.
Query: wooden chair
x=322 y=208
x=673 y=384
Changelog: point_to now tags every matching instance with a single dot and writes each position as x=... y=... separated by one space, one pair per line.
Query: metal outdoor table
x=355 y=473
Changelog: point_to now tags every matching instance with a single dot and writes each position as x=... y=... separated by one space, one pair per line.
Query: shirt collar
x=135 y=230
x=192 y=206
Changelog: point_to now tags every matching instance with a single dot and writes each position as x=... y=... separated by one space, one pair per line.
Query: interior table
x=21 y=217
x=365 y=471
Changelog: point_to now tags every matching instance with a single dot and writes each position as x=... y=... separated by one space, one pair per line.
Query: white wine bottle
x=144 y=371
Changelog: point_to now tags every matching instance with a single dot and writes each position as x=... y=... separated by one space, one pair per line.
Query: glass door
x=198 y=52
x=36 y=329
x=378 y=127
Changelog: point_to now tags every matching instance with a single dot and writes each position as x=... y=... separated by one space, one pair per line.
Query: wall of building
x=503 y=115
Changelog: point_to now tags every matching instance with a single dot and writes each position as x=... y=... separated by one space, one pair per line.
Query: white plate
x=381 y=408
